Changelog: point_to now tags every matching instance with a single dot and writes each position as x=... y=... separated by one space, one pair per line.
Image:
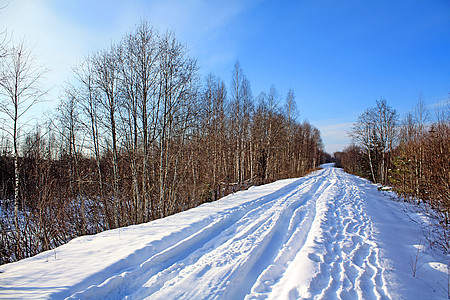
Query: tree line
x=138 y=135
x=410 y=155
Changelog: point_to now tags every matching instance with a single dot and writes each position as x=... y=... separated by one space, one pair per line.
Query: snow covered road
x=328 y=235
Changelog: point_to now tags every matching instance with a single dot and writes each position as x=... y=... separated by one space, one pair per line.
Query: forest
x=138 y=135
x=411 y=155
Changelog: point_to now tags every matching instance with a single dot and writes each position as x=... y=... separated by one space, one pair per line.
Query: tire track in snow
x=244 y=255
x=295 y=237
x=168 y=263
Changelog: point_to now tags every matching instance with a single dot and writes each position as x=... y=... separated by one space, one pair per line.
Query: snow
x=326 y=235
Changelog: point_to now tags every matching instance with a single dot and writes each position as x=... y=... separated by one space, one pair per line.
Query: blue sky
x=338 y=56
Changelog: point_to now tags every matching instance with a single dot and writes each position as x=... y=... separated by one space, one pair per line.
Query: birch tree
x=106 y=79
x=20 y=90
x=90 y=118
x=241 y=106
x=177 y=74
x=139 y=76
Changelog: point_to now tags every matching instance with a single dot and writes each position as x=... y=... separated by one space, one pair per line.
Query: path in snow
x=323 y=236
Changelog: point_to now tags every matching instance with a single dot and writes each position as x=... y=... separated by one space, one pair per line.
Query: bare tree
x=106 y=79
x=376 y=133
x=241 y=106
x=291 y=114
x=362 y=134
x=211 y=135
x=177 y=75
x=139 y=76
x=290 y=107
x=3 y=42
x=412 y=136
x=3 y=39
x=88 y=100
x=69 y=127
x=386 y=121
x=20 y=90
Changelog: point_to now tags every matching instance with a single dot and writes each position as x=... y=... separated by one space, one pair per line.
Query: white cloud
x=442 y=102
x=334 y=135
